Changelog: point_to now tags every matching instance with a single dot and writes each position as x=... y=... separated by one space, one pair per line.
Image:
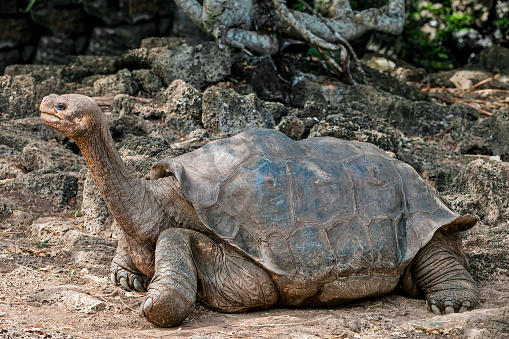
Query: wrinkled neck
x=116 y=184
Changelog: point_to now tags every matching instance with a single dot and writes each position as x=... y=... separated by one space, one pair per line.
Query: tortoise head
x=75 y=115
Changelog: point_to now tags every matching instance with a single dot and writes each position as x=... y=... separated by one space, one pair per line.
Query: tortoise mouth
x=47 y=115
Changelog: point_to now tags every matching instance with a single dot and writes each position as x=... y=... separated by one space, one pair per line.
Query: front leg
x=172 y=292
x=124 y=272
x=188 y=265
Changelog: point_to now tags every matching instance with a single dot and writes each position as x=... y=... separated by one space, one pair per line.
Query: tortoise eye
x=60 y=106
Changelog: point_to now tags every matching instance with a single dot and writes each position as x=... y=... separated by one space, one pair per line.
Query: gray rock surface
x=38 y=156
x=198 y=66
x=122 y=82
x=70 y=298
x=56 y=187
x=17 y=96
x=482 y=188
x=226 y=113
x=307 y=88
x=6 y=208
x=182 y=104
x=94 y=212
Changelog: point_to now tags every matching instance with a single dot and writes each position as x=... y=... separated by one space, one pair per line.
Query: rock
x=9 y=168
x=348 y=128
x=127 y=124
x=488 y=253
x=54 y=50
x=482 y=188
x=12 y=139
x=494 y=59
x=182 y=104
x=48 y=86
x=416 y=118
x=131 y=11
x=6 y=207
x=141 y=58
x=9 y=57
x=142 y=146
x=261 y=74
x=227 y=113
x=79 y=67
x=124 y=105
x=19 y=220
x=148 y=82
x=437 y=165
x=166 y=42
x=478 y=323
x=69 y=20
x=115 y=40
x=122 y=82
x=485 y=136
x=57 y=187
x=17 y=96
x=38 y=72
x=83 y=66
x=94 y=212
x=388 y=83
x=293 y=127
x=198 y=66
x=50 y=227
x=6 y=151
x=313 y=113
x=308 y=88
x=16 y=134
x=89 y=250
x=38 y=156
x=184 y=27
x=71 y=297
x=466 y=79
x=90 y=257
x=14 y=31
x=77 y=239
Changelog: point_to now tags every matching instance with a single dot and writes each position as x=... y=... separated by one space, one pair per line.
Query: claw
x=138 y=286
x=449 y=309
x=435 y=309
x=464 y=307
x=145 y=307
x=113 y=278
x=124 y=284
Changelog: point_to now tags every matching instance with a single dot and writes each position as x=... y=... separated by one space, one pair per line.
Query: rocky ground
x=167 y=98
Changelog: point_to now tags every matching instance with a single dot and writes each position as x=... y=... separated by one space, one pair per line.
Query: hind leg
x=189 y=265
x=439 y=270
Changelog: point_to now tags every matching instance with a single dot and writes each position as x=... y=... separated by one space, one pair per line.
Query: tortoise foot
x=451 y=301
x=165 y=307
x=128 y=280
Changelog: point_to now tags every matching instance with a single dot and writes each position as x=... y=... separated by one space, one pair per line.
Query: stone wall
x=52 y=31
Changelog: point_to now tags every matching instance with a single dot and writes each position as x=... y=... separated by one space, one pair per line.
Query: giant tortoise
x=258 y=219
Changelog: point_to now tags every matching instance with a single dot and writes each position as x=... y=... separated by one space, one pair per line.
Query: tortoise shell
x=313 y=208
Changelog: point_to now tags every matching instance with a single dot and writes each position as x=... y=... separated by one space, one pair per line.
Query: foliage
x=430 y=30
x=42 y=244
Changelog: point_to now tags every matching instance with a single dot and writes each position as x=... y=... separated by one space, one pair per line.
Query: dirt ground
x=43 y=294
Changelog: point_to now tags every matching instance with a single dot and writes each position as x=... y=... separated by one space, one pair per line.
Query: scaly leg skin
x=189 y=265
x=439 y=271
x=124 y=273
